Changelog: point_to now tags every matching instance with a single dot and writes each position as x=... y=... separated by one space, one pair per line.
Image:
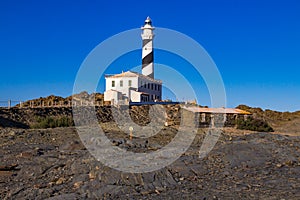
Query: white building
x=134 y=87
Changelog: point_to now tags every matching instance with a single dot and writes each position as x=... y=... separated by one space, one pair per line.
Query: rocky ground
x=54 y=164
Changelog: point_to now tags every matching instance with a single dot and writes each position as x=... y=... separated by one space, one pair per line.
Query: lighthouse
x=130 y=87
x=147 y=50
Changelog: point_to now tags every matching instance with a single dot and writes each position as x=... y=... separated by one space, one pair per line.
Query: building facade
x=132 y=87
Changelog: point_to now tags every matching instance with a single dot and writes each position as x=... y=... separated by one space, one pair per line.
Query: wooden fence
x=42 y=104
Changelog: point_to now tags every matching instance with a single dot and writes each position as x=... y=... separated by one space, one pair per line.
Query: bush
x=52 y=122
x=254 y=125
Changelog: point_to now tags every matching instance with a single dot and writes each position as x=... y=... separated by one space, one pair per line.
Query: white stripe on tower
x=147 y=51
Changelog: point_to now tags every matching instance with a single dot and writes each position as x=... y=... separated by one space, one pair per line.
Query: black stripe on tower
x=151 y=75
x=147 y=59
x=145 y=41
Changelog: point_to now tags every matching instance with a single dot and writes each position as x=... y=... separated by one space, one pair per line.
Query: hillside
x=52 y=100
x=282 y=122
x=56 y=106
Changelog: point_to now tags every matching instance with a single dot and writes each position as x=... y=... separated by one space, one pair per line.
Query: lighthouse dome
x=148 y=21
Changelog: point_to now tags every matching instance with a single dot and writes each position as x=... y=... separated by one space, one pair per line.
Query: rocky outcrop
x=169 y=115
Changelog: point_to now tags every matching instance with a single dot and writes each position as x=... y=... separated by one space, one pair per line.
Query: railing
x=9 y=103
x=46 y=104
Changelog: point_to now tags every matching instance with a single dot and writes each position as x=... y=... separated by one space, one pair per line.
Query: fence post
x=212 y=120
x=21 y=104
x=9 y=104
x=203 y=119
x=224 y=118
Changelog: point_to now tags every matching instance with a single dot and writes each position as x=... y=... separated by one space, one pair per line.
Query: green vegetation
x=52 y=122
x=254 y=125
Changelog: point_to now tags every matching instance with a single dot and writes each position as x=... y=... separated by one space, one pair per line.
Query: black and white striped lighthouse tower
x=147 y=52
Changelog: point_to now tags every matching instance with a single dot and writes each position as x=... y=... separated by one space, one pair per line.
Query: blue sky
x=255 y=44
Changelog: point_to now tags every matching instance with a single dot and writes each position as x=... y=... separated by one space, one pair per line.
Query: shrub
x=254 y=125
x=52 y=122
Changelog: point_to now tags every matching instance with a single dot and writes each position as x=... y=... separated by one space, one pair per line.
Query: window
x=155 y=87
x=148 y=85
x=151 y=86
x=141 y=83
x=113 y=84
x=121 y=83
x=129 y=83
x=158 y=87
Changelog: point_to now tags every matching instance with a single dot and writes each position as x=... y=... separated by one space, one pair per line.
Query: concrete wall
x=135 y=96
x=112 y=95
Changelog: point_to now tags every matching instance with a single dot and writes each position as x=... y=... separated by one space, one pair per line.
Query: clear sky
x=255 y=44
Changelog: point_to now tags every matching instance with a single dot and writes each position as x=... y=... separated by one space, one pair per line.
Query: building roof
x=217 y=110
x=148 y=20
x=145 y=93
x=112 y=90
x=131 y=74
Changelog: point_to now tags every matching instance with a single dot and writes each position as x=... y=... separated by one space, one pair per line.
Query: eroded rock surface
x=54 y=164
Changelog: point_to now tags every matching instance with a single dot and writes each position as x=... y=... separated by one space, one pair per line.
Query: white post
x=224 y=118
x=212 y=121
x=202 y=117
x=9 y=104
